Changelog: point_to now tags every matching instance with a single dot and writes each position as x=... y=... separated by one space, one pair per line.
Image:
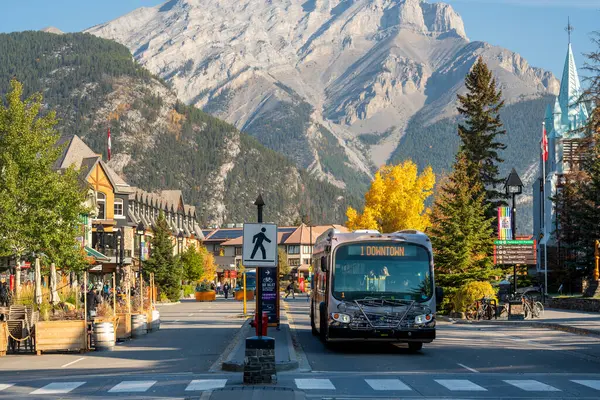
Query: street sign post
x=512 y=252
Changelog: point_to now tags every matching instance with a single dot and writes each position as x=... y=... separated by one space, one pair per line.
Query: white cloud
x=588 y=4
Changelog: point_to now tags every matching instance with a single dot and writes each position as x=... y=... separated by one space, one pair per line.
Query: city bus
x=369 y=286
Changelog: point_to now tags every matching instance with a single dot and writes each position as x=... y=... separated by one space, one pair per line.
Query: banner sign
x=269 y=293
x=504 y=223
x=510 y=252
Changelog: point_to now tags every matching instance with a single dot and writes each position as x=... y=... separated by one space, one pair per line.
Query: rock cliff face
x=304 y=75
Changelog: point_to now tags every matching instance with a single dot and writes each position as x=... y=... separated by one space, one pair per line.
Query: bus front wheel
x=415 y=346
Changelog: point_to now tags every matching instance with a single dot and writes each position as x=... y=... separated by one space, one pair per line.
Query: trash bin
x=265 y=323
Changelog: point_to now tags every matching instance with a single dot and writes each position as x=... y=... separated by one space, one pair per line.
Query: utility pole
x=259 y=203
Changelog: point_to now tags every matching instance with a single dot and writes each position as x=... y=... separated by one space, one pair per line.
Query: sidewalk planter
x=113 y=320
x=209 y=295
x=61 y=336
x=239 y=295
x=139 y=325
x=153 y=320
x=123 y=326
x=3 y=338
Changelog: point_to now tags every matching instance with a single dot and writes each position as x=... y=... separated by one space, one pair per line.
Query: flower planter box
x=239 y=295
x=123 y=326
x=61 y=336
x=3 y=338
x=210 y=295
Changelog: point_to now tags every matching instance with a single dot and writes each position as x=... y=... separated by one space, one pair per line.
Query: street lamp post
x=100 y=237
x=118 y=249
x=514 y=187
x=140 y=231
x=180 y=242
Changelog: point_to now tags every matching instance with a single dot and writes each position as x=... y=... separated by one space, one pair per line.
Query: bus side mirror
x=439 y=295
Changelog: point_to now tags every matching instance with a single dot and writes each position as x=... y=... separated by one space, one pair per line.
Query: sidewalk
x=581 y=323
x=285 y=355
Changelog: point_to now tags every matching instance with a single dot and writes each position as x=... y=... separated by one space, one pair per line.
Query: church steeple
x=570 y=91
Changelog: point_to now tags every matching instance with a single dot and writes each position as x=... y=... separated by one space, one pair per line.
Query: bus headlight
x=423 y=319
x=343 y=318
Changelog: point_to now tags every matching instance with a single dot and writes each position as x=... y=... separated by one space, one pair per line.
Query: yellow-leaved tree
x=396 y=200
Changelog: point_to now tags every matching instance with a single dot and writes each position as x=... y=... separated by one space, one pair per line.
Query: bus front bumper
x=424 y=335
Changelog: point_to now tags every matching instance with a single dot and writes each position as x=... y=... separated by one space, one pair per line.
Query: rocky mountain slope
x=157 y=141
x=332 y=84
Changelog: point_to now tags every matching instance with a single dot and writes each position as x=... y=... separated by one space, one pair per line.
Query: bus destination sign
x=511 y=252
x=382 y=250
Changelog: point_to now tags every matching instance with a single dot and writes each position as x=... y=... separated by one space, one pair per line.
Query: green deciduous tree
x=39 y=206
x=166 y=268
x=480 y=108
x=461 y=234
x=284 y=267
x=192 y=262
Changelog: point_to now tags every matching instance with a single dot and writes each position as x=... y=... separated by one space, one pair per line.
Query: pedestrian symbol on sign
x=258 y=239
x=259 y=245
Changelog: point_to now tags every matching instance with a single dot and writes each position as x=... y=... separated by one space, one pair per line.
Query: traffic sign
x=260 y=245
x=511 y=252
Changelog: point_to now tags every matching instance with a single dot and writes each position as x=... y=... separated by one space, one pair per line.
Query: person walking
x=93 y=299
x=226 y=289
x=290 y=289
x=4 y=295
x=219 y=287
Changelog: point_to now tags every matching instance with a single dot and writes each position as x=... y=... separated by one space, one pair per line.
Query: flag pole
x=544 y=158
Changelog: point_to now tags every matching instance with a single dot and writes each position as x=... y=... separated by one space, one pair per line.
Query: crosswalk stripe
x=58 y=388
x=305 y=384
x=132 y=386
x=206 y=384
x=530 y=385
x=590 y=384
x=460 y=385
x=5 y=386
x=387 y=384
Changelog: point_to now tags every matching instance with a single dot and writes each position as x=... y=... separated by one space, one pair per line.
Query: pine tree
x=480 y=108
x=461 y=234
x=166 y=268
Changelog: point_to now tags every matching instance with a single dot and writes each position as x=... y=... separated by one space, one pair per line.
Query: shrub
x=471 y=292
x=187 y=290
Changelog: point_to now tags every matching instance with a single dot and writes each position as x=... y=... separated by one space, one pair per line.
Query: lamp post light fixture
x=514 y=187
x=180 y=242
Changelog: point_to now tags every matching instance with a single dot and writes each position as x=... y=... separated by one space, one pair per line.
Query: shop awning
x=96 y=255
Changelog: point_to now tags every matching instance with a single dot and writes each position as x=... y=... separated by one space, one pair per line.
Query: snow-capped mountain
x=330 y=83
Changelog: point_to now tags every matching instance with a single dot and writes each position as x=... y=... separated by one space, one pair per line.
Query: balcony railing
x=108 y=252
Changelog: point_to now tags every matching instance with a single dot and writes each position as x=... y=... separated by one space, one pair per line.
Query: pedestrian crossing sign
x=260 y=245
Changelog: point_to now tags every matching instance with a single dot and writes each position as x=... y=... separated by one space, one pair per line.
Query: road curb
x=529 y=324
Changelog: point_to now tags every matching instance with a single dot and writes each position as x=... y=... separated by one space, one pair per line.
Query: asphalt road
x=178 y=361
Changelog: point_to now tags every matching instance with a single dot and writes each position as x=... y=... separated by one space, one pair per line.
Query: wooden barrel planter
x=3 y=338
x=60 y=336
x=104 y=336
x=139 y=325
x=123 y=326
x=154 y=320
x=209 y=295
x=239 y=295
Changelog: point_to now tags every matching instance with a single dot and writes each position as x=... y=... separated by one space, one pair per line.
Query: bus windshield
x=388 y=270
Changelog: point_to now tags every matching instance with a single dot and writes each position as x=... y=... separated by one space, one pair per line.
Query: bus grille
x=379 y=321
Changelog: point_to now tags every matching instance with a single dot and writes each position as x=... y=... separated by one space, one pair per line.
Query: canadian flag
x=544 y=145
x=109 y=145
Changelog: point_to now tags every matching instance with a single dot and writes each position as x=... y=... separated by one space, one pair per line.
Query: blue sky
x=532 y=28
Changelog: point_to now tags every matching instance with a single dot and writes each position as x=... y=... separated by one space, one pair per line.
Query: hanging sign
x=504 y=223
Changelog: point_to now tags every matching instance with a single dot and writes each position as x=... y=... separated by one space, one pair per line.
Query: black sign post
x=259 y=203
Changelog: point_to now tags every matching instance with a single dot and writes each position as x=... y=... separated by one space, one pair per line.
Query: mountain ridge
x=332 y=71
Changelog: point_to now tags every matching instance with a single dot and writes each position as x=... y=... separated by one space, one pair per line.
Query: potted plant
x=204 y=292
